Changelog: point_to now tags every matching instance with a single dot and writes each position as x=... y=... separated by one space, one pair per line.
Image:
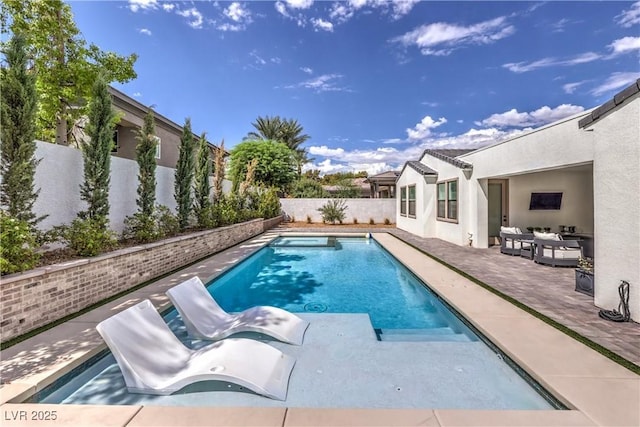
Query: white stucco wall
x=60 y=174
x=361 y=209
x=576 y=186
x=421 y=225
x=616 y=187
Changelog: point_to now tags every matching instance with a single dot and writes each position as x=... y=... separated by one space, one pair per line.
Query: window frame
x=403 y=200
x=446 y=210
x=409 y=201
x=158 y=146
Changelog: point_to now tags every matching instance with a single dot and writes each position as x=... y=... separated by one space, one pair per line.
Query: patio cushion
x=546 y=236
x=563 y=253
x=510 y=230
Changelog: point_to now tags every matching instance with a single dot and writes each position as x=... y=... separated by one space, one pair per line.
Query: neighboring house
x=383 y=185
x=167 y=131
x=592 y=158
x=359 y=183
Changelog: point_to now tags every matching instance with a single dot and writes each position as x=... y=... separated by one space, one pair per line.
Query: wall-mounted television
x=545 y=201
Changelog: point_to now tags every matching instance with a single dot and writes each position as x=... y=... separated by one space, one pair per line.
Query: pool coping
x=597 y=391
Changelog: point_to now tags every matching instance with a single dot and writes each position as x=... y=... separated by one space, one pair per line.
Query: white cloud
x=230 y=27
x=442 y=38
x=299 y=4
x=136 y=5
x=341 y=11
x=571 y=87
x=193 y=16
x=306 y=70
x=257 y=58
x=541 y=116
x=423 y=129
x=137 y=95
x=629 y=17
x=281 y=8
x=238 y=13
x=430 y=104
x=400 y=8
x=323 y=83
x=523 y=67
x=616 y=81
x=325 y=151
x=624 y=45
x=168 y=7
x=145 y=31
x=321 y=24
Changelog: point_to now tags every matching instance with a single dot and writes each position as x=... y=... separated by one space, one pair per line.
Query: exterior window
x=403 y=201
x=452 y=200
x=158 y=146
x=412 y=201
x=447 y=208
x=114 y=147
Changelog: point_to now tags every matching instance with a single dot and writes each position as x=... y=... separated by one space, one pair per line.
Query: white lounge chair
x=205 y=319
x=154 y=361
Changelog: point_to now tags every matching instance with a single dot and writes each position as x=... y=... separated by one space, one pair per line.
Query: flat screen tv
x=545 y=201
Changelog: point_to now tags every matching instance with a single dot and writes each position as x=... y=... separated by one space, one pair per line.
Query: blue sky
x=373 y=82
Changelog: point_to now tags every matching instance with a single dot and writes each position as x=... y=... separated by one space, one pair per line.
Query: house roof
x=618 y=99
x=384 y=177
x=450 y=156
x=420 y=167
x=142 y=110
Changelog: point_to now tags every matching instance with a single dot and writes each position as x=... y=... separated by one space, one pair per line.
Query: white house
x=592 y=159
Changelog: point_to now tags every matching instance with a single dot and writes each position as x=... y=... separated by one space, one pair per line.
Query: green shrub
x=269 y=204
x=18 y=248
x=309 y=219
x=371 y=221
x=167 y=222
x=333 y=210
x=140 y=228
x=306 y=188
x=387 y=221
x=87 y=237
x=355 y=220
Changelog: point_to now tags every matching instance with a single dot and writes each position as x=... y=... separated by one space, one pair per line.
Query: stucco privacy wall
x=38 y=297
x=361 y=209
x=60 y=173
x=616 y=188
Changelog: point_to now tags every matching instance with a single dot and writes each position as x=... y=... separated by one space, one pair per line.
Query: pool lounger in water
x=154 y=361
x=205 y=319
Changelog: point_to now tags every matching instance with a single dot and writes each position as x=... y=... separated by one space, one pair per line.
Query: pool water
x=372 y=323
x=343 y=275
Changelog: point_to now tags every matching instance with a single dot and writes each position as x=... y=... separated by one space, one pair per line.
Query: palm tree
x=287 y=131
x=268 y=129
x=300 y=158
x=291 y=133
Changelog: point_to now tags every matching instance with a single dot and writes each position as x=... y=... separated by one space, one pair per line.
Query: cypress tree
x=184 y=175
x=219 y=170
x=97 y=153
x=202 y=187
x=146 y=157
x=18 y=107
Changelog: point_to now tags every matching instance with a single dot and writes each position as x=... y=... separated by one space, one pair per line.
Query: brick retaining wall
x=38 y=297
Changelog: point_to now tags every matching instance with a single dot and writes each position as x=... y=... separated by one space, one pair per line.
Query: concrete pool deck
x=598 y=391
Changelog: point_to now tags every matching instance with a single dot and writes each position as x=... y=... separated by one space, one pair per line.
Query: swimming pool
x=340 y=275
x=358 y=299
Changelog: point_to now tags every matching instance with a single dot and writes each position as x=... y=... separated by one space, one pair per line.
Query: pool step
x=432 y=334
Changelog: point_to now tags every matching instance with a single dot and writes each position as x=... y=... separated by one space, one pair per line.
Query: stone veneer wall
x=37 y=297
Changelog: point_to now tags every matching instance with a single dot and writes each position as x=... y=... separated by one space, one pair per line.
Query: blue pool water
x=378 y=338
x=344 y=275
